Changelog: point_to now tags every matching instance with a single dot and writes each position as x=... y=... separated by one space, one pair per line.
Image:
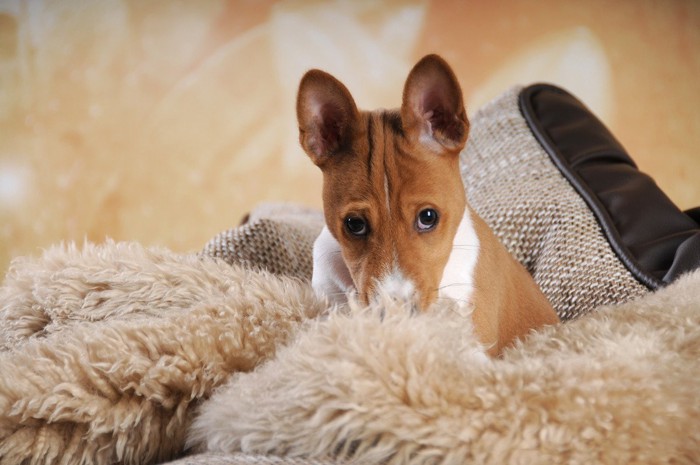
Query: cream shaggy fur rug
x=107 y=355
x=104 y=350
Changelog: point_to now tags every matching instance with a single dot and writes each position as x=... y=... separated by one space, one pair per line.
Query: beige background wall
x=165 y=121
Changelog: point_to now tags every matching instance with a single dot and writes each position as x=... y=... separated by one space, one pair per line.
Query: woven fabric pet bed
x=117 y=353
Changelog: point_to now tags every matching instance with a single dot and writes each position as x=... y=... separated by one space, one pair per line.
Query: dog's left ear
x=433 y=109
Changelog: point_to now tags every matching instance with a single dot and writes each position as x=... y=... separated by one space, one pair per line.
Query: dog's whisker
x=451 y=299
x=454 y=285
x=332 y=252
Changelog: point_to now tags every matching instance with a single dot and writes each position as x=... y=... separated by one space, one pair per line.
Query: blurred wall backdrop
x=164 y=121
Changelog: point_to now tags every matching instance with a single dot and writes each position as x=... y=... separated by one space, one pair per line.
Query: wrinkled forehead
x=390 y=169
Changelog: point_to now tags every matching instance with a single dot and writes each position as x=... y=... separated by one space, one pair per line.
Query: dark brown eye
x=426 y=220
x=356 y=225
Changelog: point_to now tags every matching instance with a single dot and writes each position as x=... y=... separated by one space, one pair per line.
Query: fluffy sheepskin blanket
x=108 y=354
x=104 y=350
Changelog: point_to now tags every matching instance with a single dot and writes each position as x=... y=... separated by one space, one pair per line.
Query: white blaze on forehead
x=457 y=281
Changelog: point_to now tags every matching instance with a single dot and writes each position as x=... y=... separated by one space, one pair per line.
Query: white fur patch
x=331 y=277
x=457 y=281
x=396 y=285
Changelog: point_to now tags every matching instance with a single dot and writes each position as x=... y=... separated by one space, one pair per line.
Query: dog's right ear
x=327 y=116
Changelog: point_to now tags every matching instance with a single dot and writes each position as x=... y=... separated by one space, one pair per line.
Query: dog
x=396 y=213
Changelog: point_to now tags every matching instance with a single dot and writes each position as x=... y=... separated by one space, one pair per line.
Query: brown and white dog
x=397 y=219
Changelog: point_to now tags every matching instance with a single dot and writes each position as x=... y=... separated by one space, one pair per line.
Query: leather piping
x=527 y=95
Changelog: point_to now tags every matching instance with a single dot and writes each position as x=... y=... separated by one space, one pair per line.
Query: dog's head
x=392 y=192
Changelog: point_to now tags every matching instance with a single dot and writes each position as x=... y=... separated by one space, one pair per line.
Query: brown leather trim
x=655 y=240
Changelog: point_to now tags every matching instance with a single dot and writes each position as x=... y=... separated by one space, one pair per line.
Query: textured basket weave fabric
x=513 y=185
x=277 y=238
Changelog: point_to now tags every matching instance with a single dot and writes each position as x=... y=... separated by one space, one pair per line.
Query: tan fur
x=106 y=351
x=617 y=386
x=411 y=155
x=507 y=302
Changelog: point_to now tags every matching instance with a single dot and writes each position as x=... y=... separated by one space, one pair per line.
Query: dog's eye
x=426 y=220
x=356 y=225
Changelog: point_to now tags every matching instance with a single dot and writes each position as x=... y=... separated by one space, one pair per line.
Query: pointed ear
x=327 y=115
x=433 y=110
